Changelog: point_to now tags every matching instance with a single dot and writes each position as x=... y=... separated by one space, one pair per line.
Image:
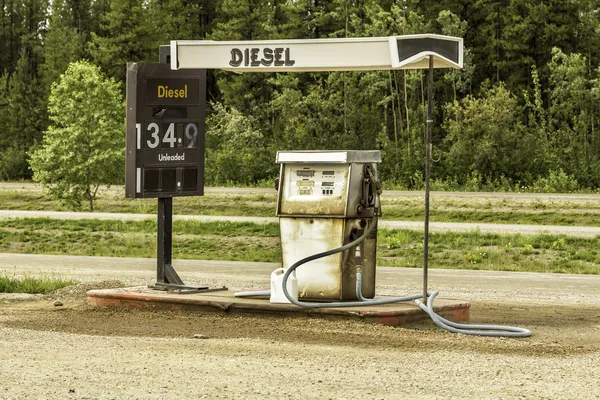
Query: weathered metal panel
x=303 y=237
x=303 y=190
x=369 y=266
x=323 y=197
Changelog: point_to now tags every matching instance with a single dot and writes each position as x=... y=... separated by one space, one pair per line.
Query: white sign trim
x=304 y=157
x=305 y=55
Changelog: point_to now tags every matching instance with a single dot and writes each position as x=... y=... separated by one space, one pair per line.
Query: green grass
x=260 y=242
x=33 y=285
x=503 y=217
x=192 y=239
x=446 y=209
x=239 y=205
x=222 y=228
x=474 y=250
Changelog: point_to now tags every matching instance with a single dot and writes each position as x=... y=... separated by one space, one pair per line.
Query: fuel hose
x=466 y=329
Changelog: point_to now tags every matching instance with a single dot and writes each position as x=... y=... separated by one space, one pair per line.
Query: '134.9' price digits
x=169 y=135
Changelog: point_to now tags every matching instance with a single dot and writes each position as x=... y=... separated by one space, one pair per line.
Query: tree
x=572 y=115
x=23 y=118
x=128 y=35
x=236 y=150
x=182 y=19
x=61 y=44
x=84 y=146
x=461 y=79
x=22 y=102
x=486 y=137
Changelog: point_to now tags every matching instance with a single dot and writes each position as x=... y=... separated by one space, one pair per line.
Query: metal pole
x=164 y=239
x=427 y=177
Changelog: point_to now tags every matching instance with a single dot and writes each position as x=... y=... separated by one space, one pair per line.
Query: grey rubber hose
x=367 y=301
x=467 y=329
x=252 y=294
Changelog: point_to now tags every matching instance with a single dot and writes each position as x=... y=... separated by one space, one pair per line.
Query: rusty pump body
x=325 y=200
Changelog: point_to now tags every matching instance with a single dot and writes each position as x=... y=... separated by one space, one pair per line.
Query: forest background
x=521 y=115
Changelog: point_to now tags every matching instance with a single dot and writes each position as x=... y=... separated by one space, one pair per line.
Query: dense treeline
x=522 y=112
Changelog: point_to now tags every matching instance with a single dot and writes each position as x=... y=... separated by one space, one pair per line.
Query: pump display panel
x=316 y=182
x=165 y=131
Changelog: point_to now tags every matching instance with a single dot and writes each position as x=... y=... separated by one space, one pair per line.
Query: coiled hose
x=467 y=329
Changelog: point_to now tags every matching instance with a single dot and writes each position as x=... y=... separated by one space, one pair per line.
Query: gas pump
x=326 y=200
x=328 y=206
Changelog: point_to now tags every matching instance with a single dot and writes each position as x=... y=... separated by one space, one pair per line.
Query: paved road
x=577 y=231
x=526 y=287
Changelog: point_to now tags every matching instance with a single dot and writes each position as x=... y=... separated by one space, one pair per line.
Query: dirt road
x=577 y=231
x=391 y=281
x=74 y=352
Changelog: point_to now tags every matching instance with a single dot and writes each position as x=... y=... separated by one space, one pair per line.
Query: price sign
x=165 y=131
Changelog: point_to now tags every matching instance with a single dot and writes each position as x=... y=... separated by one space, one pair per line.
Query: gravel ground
x=76 y=352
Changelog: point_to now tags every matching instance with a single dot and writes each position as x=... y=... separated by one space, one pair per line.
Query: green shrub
x=557 y=181
x=13 y=164
x=527 y=250
x=476 y=257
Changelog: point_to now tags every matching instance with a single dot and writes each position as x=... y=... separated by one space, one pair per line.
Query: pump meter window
x=315 y=182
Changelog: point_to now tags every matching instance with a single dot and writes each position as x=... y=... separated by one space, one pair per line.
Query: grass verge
x=565 y=218
x=236 y=205
x=260 y=242
x=191 y=240
x=33 y=285
x=494 y=210
x=477 y=251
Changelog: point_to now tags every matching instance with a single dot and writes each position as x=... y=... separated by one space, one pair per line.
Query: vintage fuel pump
x=326 y=199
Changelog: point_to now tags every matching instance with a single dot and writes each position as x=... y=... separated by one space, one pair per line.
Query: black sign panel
x=413 y=46
x=165 y=131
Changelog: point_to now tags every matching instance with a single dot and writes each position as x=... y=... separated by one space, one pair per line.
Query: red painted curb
x=397 y=314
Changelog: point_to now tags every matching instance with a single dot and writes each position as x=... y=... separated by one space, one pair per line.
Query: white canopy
x=305 y=55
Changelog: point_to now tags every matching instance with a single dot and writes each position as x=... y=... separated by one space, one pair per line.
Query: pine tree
x=183 y=19
x=61 y=44
x=23 y=104
x=23 y=120
x=128 y=34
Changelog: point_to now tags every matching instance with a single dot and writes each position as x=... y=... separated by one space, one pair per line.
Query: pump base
x=397 y=314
